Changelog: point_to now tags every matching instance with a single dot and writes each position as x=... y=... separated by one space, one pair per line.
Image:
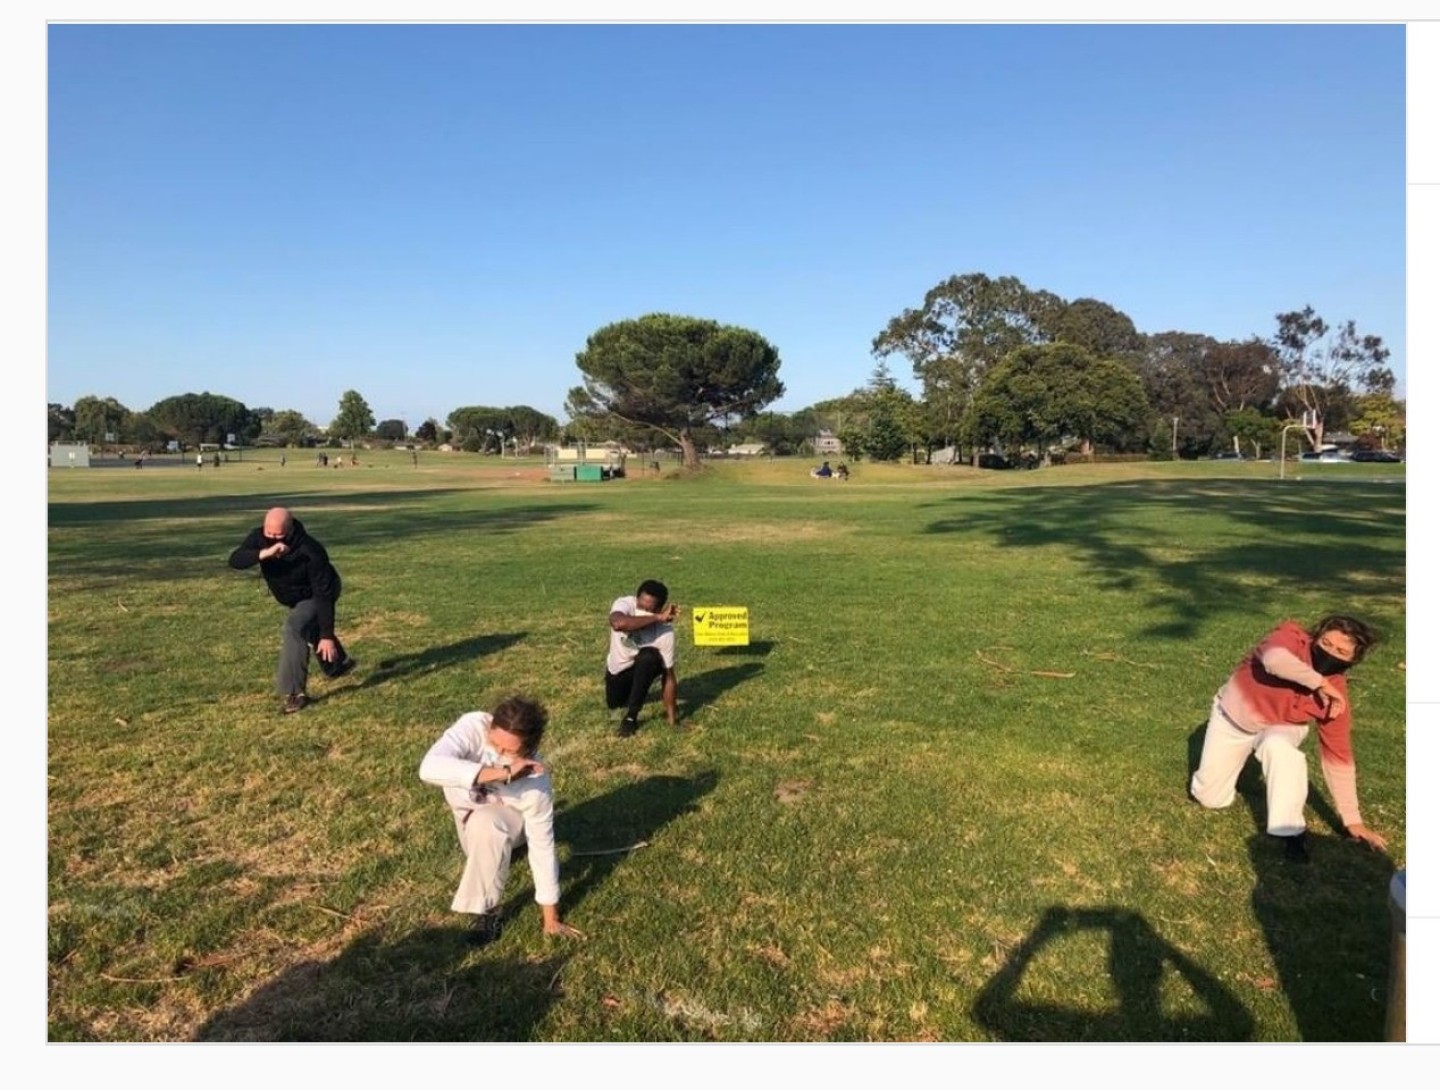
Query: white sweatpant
x=488 y=834
x=1277 y=748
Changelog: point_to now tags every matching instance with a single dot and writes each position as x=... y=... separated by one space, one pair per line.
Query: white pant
x=488 y=834
x=1277 y=748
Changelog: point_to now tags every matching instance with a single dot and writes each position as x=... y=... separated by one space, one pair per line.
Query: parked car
x=1323 y=456
x=993 y=461
x=1230 y=456
x=1375 y=456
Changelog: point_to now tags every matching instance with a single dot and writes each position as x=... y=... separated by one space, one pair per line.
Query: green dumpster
x=588 y=473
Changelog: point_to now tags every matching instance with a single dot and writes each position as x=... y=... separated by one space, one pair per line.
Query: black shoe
x=340 y=671
x=484 y=929
x=294 y=702
x=1297 y=848
x=628 y=726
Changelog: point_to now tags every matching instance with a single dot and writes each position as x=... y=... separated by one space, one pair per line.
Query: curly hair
x=524 y=718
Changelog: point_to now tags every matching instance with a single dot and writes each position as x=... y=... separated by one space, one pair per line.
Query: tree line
x=193 y=419
x=1001 y=367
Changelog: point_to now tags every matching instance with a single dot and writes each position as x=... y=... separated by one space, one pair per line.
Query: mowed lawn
x=941 y=796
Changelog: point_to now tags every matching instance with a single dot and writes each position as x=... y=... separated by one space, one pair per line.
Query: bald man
x=300 y=576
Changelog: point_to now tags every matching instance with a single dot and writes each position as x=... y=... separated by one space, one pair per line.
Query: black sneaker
x=1297 y=848
x=294 y=702
x=484 y=929
x=341 y=670
x=628 y=726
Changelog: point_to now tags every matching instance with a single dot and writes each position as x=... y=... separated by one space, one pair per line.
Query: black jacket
x=303 y=572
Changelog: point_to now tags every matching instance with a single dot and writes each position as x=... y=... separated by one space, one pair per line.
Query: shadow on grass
x=704 y=689
x=1326 y=923
x=1327 y=926
x=1137 y=963
x=172 y=536
x=436 y=658
x=1319 y=533
x=754 y=649
x=249 y=509
x=602 y=832
x=413 y=988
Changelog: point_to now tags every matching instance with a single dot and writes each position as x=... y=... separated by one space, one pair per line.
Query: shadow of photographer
x=1137 y=961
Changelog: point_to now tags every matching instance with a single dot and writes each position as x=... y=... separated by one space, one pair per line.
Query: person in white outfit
x=500 y=795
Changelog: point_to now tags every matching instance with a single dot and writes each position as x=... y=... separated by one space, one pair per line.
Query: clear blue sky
x=439 y=216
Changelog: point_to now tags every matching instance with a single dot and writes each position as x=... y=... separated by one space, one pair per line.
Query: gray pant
x=299 y=632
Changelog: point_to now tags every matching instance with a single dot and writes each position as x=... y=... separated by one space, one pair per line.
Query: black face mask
x=1326 y=663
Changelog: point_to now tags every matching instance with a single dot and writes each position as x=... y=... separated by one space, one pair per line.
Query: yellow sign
x=721 y=626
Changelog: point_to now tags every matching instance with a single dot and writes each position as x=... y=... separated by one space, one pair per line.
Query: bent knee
x=1212 y=798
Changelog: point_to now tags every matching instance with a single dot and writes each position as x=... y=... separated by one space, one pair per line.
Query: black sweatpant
x=631 y=685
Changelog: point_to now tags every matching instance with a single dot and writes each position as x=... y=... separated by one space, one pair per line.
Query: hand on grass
x=1367 y=836
x=556 y=926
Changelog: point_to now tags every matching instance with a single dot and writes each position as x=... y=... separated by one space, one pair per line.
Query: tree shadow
x=1137 y=961
x=251 y=506
x=414 y=988
x=1327 y=926
x=602 y=832
x=137 y=538
x=1115 y=529
x=702 y=690
x=436 y=658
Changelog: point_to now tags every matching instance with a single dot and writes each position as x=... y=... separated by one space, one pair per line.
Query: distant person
x=217 y=459
x=415 y=458
x=642 y=648
x=500 y=796
x=199 y=461
x=298 y=571
x=823 y=471
x=1293 y=677
x=842 y=471
x=282 y=461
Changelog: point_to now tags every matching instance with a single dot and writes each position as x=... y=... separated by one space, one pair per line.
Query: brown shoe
x=294 y=702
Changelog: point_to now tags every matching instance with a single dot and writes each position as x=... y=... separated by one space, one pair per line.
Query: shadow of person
x=1138 y=960
x=602 y=832
x=701 y=690
x=753 y=649
x=411 y=988
x=1326 y=923
x=435 y=658
x=1327 y=926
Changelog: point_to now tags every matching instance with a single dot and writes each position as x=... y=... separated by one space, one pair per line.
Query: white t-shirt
x=624 y=646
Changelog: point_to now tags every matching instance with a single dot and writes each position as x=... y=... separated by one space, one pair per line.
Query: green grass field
x=941 y=796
